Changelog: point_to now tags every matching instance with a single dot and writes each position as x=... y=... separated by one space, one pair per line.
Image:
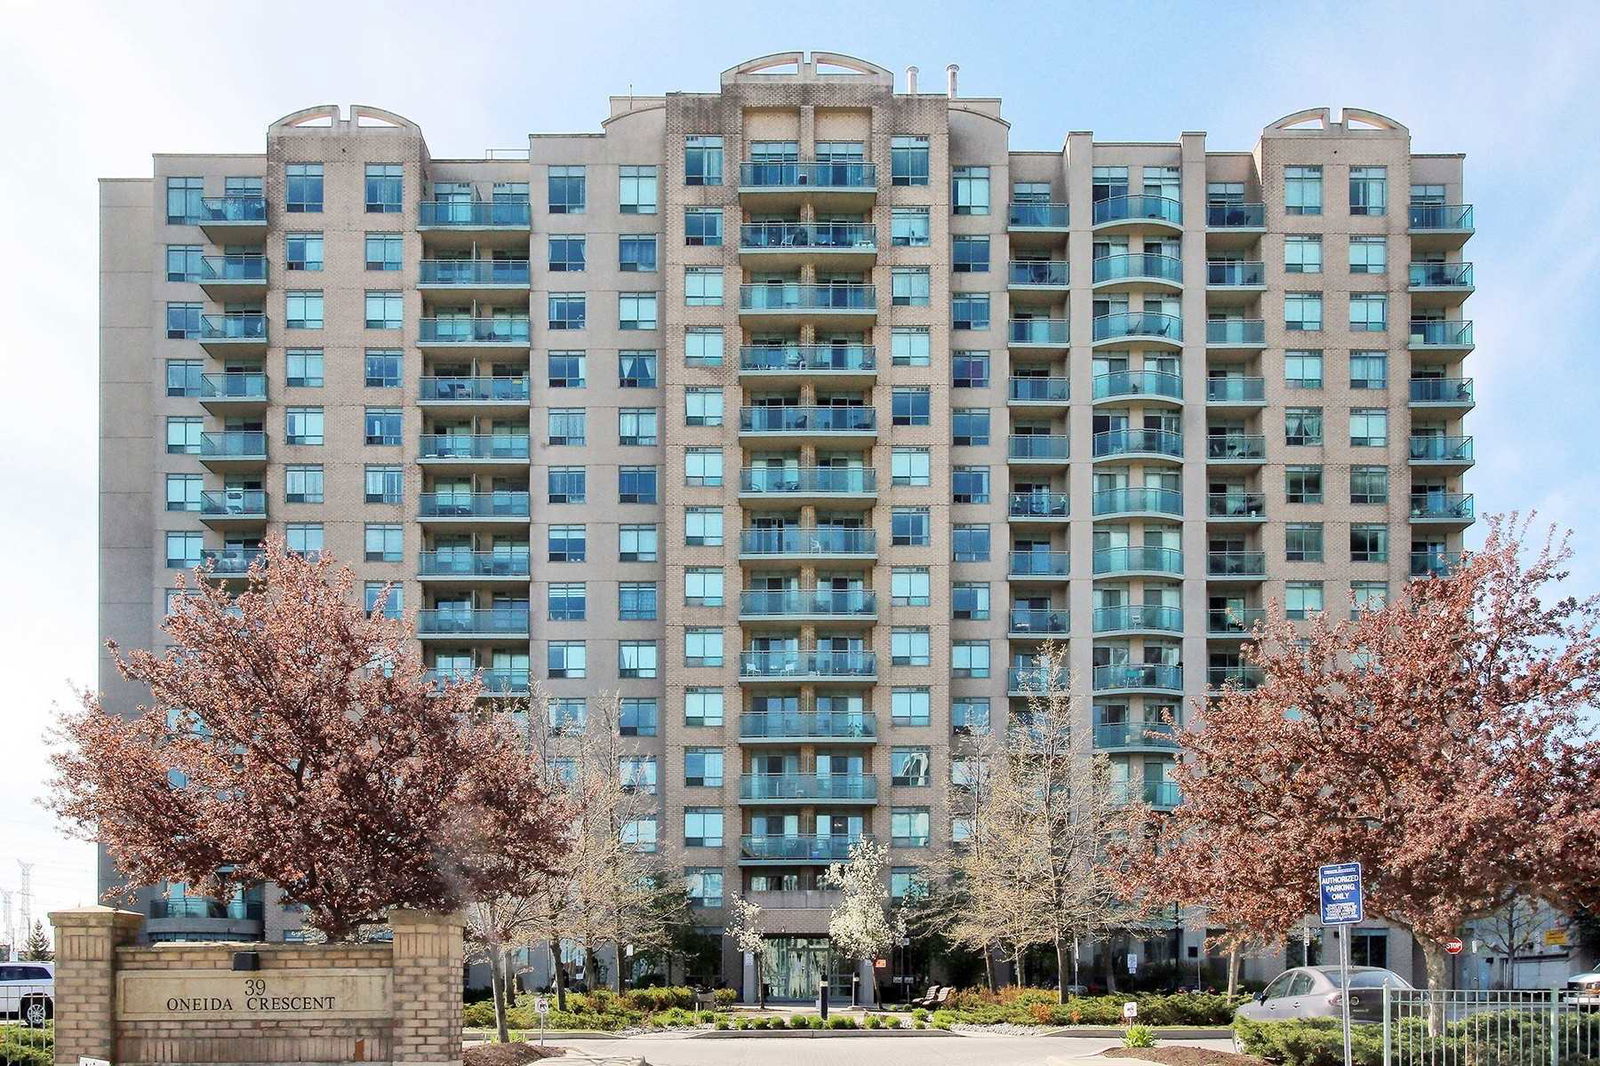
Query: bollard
x=822 y=1000
x=855 y=990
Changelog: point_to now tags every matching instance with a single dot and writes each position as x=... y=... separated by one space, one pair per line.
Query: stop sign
x=1453 y=945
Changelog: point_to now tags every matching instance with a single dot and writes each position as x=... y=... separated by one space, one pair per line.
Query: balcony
x=1040 y=392
x=475 y=216
x=789 y=245
x=1439 y=284
x=1236 y=449
x=805 y=483
x=1233 y=622
x=1436 y=562
x=1236 y=391
x=456 y=623
x=473 y=393
x=496 y=683
x=469 y=449
x=1138 y=443
x=499 y=333
x=1047 y=274
x=1138 y=270
x=1037 y=218
x=238 y=218
x=1243 y=677
x=1234 y=227
x=1148 y=385
x=1042 y=506
x=229 y=277
x=1439 y=335
x=845 y=305
x=1115 y=212
x=1439 y=227
x=1160 y=794
x=1035 y=623
x=1043 y=566
x=1236 y=334
x=808 y=542
x=1138 y=618
x=234 y=508
x=833 y=422
x=842 y=363
x=822 y=604
x=1454 y=393
x=792 y=666
x=826 y=184
x=1138 y=560
x=1034 y=681
x=1137 y=500
x=231 y=562
x=1036 y=449
x=1037 y=333
x=1223 y=508
x=1138 y=677
x=1236 y=274
x=760 y=727
x=807 y=788
x=1134 y=736
x=234 y=392
x=460 y=564
x=1248 y=566
x=491 y=280
x=1442 y=509
x=474 y=508
x=198 y=907
x=234 y=450
x=239 y=333
x=1138 y=326
x=798 y=848
x=1444 y=451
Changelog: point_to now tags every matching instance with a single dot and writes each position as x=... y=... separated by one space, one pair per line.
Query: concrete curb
x=737 y=1034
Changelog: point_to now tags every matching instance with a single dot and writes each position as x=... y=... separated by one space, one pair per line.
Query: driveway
x=859 y=1050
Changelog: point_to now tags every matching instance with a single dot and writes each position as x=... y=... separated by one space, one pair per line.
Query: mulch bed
x=514 y=1054
x=1183 y=1056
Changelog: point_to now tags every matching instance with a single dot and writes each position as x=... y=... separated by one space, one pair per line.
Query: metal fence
x=27 y=1036
x=1462 y=1027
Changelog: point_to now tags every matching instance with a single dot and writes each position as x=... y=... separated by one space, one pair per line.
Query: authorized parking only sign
x=1340 y=888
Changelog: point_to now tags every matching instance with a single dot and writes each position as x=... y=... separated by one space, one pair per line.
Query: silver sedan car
x=1313 y=992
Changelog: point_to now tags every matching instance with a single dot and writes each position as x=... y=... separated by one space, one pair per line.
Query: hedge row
x=1490 y=1038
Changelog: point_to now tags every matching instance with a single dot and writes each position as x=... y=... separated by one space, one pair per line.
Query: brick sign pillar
x=85 y=986
x=427 y=987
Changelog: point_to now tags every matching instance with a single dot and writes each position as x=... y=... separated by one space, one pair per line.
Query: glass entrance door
x=794 y=966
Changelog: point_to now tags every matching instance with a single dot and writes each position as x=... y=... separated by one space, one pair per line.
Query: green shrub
x=920 y=1014
x=725 y=997
x=479 y=1015
x=814 y=1021
x=672 y=1016
x=721 y=1023
x=892 y=1022
x=20 y=1046
x=1310 y=1042
x=1139 y=1036
x=741 y=1023
x=705 y=1017
x=840 y=1021
x=799 y=1021
x=943 y=1019
x=871 y=1021
x=919 y=1024
x=645 y=1000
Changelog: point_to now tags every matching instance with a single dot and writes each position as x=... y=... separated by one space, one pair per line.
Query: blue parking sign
x=1340 y=887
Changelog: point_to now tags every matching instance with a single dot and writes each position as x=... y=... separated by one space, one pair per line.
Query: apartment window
x=384 y=181
x=702 y=407
x=303 y=309
x=910 y=527
x=565 y=370
x=302 y=188
x=383 y=484
x=969 y=484
x=183 y=321
x=702 y=227
x=638 y=659
x=910 y=346
x=702 y=647
x=566 y=659
x=969 y=190
x=702 y=346
x=302 y=484
x=303 y=251
x=970 y=543
x=1369 y=190
x=1369 y=543
x=702 y=527
x=1369 y=427
x=637 y=426
x=911 y=466
x=1303 y=542
x=183 y=262
x=567 y=254
x=908 y=767
x=1369 y=255
x=637 y=484
x=969 y=310
x=1369 y=484
x=385 y=251
x=567 y=190
x=567 y=484
x=636 y=601
x=382 y=425
x=568 y=714
x=637 y=369
x=969 y=426
x=637 y=544
x=636 y=253
x=568 y=544
x=909 y=227
x=969 y=255
x=183 y=551
x=183 y=434
x=910 y=646
x=1369 y=312
x=1368 y=595
x=390 y=596
x=908 y=161
x=641 y=834
x=910 y=586
x=383 y=368
x=702 y=160
x=910 y=286
x=1302 y=369
x=636 y=310
x=567 y=310
x=908 y=827
x=1302 y=484
x=702 y=286
x=183 y=377
x=912 y=406
x=1302 y=190
x=1302 y=311
x=384 y=543
x=1302 y=425
x=1302 y=599
x=567 y=426
x=702 y=826
x=637 y=194
x=385 y=310
x=970 y=600
x=702 y=707
x=703 y=885
x=303 y=368
x=910 y=706
x=303 y=538
x=183 y=492
x=969 y=370
x=1302 y=254
x=969 y=658
x=303 y=425
x=183 y=200
x=1369 y=370
x=702 y=586
x=702 y=467
x=969 y=715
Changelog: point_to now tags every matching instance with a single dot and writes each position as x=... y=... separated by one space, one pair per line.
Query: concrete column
x=750 y=991
x=87 y=939
x=427 y=987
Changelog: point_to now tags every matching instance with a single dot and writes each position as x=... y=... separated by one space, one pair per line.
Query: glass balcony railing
x=795 y=296
x=1234 y=621
x=1120 y=383
x=233 y=386
x=1160 y=794
x=470 y=272
x=1138 y=498
x=467 y=621
x=234 y=444
x=1138 y=207
x=1441 y=217
x=497 y=330
x=1231 y=273
x=1236 y=216
x=803 y=357
x=507 y=503
x=234 y=503
x=1441 y=449
x=472 y=446
x=1137 y=324
x=1049 y=331
x=1236 y=505
x=1236 y=331
x=1036 y=216
x=470 y=214
x=796 y=664
x=858 y=176
x=234 y=207
x=238 y=910
x=1134 y=735
x=1241 y=676
x=1038 y=621
x=1236 y=446
x=1435 y=562
x=807 y=787
x=1440 y=275
x=817 y=602
x=233 y=268
x=820 y=480
x=805 y=725
x=1437 y=333
x=231 y=562
x=856 y=236
x=1044 y=273
x=1140 y=265
x=474 y=389
x=840 y=419
x=454 y=562
x=506 y=682
x=1443 y=505
x=812 y=540
x=1138 y=675
x=1038 y=564
x=798 y=847
x=1034 y=680
x=1038 y=390
x=239 y=326
x=1235 y=389
x=1142 y=616
x=1037 y=505
x=1052 y=446
x=1133 y=441
x=1236 y=564
x=1456 y=391
x=1138 y=558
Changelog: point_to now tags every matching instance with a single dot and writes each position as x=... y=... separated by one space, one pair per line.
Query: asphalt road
x=857 y=1050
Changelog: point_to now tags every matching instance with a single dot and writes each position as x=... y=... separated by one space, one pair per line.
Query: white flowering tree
x=747 y=927
x=859 y=927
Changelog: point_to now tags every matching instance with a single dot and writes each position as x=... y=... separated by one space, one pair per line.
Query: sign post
x=1343 y=903
x=541 y=1006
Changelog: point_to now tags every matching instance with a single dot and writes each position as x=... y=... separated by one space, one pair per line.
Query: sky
x=90 y=91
